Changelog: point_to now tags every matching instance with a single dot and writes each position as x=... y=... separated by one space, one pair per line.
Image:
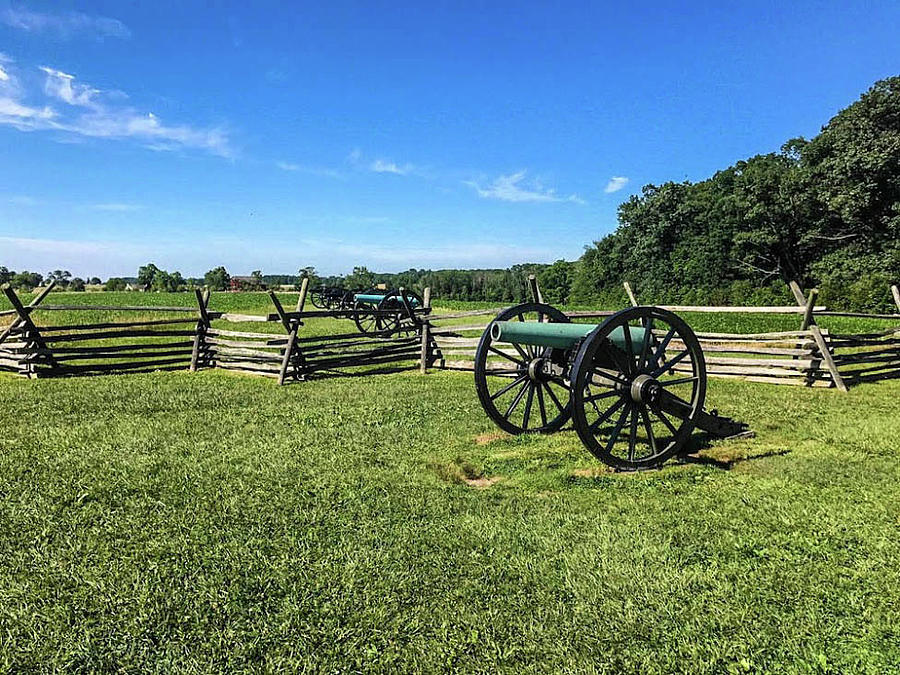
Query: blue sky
x=273 y=135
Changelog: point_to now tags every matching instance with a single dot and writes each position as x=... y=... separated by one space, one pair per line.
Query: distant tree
x=77 y=284
x=217 y=279
x=6 y=275
x=61 y=277
x=165 y=282
x=115 y=284
x=310 y=272
x=360 y=278
x=256 y=279
x=147 y=274
x=95 y=281
x=556 y=281
x=27 y=281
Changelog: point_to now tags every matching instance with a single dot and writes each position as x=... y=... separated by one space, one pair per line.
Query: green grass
x=212 y=522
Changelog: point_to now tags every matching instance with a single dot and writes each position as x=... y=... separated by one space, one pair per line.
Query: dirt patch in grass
x=482 y=483
x=463 y=472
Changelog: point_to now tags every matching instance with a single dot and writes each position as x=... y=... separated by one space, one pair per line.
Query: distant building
x=136 y=287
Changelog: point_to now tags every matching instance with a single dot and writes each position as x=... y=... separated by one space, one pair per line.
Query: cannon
x=387 y=312
x=633 y=386
x=332 y=297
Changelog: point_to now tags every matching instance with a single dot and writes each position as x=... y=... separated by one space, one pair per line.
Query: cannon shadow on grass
x=700 y=441
x=703 y=441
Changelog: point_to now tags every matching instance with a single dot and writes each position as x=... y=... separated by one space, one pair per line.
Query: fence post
x=535 y=289
x=291 y=326
x=288 y=352
x=34 y=303
x=304 y=288
x=32 y=333
x=202 y=326
x=426 y=332
x=808 y=314
x=631 y=298
x=816 y=332
x=896 y=293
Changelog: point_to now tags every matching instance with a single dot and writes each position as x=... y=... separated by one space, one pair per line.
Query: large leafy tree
x=217 y=279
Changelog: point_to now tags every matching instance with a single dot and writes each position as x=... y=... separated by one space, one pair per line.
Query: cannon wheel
x=364 y=316
x=388 y=325
x=319 y=298
x=522 y=377
x=653 y=389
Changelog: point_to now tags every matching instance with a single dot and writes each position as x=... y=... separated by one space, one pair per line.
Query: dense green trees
x=115 y=284
x=217 y=279
x=823 y=212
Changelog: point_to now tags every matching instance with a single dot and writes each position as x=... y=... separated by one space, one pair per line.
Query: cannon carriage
x=387 y=312
x=332 y=297
x=634 y=386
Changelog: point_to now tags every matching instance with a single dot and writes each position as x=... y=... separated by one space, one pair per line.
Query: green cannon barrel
x=558 y=335
x=374 y=299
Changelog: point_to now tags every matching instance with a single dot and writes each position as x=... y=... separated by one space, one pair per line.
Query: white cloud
x=385 y=166
x=515 y=188
x=615 y=184
x=4 y=76
x=116 y=207
x=93 y=113
x=63 y=24
x=312 y=170
x=61 y=85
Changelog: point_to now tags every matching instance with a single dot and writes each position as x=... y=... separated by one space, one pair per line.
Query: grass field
x=209 y=522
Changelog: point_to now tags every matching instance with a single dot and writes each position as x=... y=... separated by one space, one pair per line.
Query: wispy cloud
x=312 y=170
x=63 y=24
x=116 y=207
x=385 y=166
x=21 y=200
x=75 y=108
x=615 y=184
x=516 y=188
x=381 y=165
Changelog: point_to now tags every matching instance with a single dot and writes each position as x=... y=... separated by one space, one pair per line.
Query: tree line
x=824 y=212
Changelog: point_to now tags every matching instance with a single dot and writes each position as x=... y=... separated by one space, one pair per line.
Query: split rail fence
x=191 y=340
x=187 y=338
x=809 y=356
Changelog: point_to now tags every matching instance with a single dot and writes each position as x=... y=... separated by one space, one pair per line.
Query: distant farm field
x=217 y=522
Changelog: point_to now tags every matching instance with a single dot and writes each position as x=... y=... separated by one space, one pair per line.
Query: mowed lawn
x=211 y=521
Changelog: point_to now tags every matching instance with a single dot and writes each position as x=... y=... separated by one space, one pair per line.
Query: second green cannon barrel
x=374 y=299
x=558 y=335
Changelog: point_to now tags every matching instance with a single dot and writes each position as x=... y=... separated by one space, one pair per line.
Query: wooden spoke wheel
x=638 y=385
x=399 y=320
x=319 y=298
x=344 y=301
x=521 y=387
x=366 y=318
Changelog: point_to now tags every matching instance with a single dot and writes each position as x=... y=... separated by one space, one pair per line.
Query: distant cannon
x=387 y=312
x=332 y=297
x=641 y=371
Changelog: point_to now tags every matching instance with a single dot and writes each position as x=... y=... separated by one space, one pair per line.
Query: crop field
x=213 y=521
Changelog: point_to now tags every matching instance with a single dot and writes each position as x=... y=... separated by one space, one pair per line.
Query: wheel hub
x=536 y=369
x=645 y=389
